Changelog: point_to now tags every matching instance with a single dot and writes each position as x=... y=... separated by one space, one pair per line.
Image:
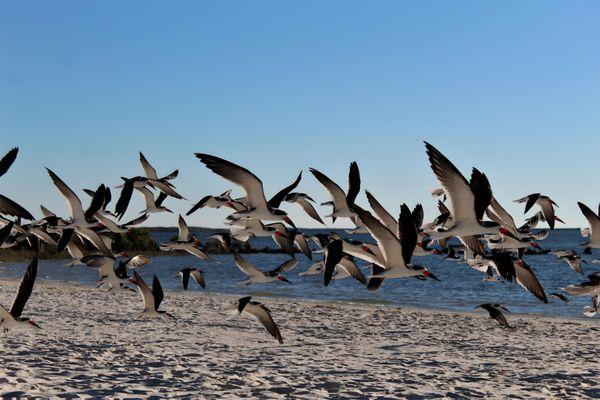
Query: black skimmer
x=495 y=311
x=152 y=298
x=571 y=258
x=113 y=278
x=153 y=205
x=511 y=268
x=545 y=203
x=161 y=184
x=342 y=202
x=222 y=200
x=184 y=242
x=261 y=313
x=195 y=273
x=8 y=206
x=255 y=197
x=396 y=250
x=12 y=319
x=537 y=218
x=303 y=200
x=469 y=199
x=594 y=222
x=224 y=239
x=589 y=288
x=257 y=276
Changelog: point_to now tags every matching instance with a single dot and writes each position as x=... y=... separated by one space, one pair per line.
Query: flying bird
x=12 y=319
x=495 y=311
x=261 y=313
x=194 y=273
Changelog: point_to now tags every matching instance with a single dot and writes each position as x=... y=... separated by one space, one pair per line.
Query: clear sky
x=511 y=87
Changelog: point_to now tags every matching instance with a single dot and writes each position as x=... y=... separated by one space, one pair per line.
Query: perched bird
x=261 y=313
x=151 y=298
x=257 y=276
x=12 y=319
x=194 y=273
x=495 y=311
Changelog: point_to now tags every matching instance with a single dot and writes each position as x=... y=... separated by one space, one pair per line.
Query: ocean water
x=461 y=288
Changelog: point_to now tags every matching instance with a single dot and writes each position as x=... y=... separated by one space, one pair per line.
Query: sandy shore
x=91 y=346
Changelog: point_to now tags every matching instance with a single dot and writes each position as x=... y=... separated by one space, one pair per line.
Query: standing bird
x=594 y=222
x=261 y=313
x=152 y=298
x=195 y=273
x=12 y=318
x=545 y=203
x=495 y=311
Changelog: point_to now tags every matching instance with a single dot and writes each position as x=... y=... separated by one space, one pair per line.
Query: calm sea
x=461 y=288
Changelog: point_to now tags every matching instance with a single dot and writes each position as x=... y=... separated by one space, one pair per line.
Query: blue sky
x=511 y=87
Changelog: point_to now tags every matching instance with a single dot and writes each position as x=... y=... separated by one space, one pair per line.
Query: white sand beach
x=91 y=346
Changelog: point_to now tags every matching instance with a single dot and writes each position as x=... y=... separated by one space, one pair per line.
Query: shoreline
x=351 y=303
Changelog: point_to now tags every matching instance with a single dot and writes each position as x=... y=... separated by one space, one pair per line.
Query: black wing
x=157 y=292
x=65 y=239
x=407 y=233
x=278 y=198
x=9 y=207
x=96 y=203
x=418 y=215
x=353 y=183
x=5 y=232
x=333 y=256
x=482 y=192
x=124 y=198
x=504 y=265
x=198 y=205
x=185 y=277
x=159 y=200
x=8 y=160
x=25 y=289
x=532 y=198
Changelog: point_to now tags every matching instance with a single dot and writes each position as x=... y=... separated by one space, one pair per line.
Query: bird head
x=535 y=245
x=283 y=279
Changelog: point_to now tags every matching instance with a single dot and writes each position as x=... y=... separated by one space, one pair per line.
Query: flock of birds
x=493 y=245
